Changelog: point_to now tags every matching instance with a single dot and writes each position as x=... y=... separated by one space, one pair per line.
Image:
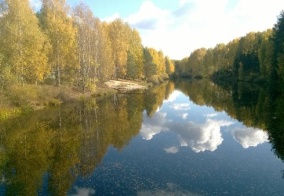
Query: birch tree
x=22 y=42
x=58 y=25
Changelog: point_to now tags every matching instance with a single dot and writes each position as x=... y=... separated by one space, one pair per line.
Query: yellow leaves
x=22 y=42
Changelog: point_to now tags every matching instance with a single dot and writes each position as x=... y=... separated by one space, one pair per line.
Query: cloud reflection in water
x=250 y=137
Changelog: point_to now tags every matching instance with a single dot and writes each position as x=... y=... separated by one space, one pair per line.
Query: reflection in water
x=45 y=152
x=59 y=144
x=154 y=125
x=200 y=137
x=172 y=150
x=248 y=137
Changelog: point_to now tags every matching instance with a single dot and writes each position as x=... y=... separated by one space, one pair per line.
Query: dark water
x=183 y=138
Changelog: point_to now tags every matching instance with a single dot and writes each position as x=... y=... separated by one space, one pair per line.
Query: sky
x=178 y=27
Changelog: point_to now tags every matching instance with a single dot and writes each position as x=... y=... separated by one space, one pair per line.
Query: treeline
x=256 y=57
x=62 y=45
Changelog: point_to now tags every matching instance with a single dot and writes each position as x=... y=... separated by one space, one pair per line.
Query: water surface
x=187 y=138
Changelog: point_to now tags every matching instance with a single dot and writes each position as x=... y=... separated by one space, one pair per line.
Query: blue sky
x=177 y=27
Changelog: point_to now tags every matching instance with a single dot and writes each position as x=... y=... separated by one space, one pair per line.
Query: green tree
x=131 y=65
x=265 y=54
x=278 y=44
x=22 y=43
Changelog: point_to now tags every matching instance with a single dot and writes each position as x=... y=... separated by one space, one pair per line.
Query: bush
x=165 y=76
x=154 y=79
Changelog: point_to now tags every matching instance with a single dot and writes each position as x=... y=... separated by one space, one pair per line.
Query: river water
x=182 y=138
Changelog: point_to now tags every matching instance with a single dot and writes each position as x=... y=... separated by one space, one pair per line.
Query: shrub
x=154 y=79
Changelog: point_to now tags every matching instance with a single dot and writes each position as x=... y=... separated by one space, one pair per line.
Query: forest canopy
x=70 y=46
x=255 y=57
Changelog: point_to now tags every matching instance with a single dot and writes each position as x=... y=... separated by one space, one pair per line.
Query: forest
x=59 y=45
x=255 y=57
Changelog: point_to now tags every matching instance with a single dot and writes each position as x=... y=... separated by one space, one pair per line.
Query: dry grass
x=38 y=96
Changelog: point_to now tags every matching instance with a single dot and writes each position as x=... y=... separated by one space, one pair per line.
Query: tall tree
x=87 y=44
x=278 y=43
x=119 y=34
x=106 y=67
x=57 y=24
x=22 y=43
x=265 y=54
x=169 y=65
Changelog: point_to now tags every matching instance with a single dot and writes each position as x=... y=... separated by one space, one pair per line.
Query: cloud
x=184 y=116
x=171 y=150
x=112 y=17
x=200 y=137
x=148 y=16
x=250 y=137
x=211 y=115
x=173 y=96
x=145 y=24
x=35 y=4
x=180 y=106
x=195 y=24
x=153 y=126
x=84 y=191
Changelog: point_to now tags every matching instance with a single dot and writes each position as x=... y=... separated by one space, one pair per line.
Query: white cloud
x=249 y=137
x=153 y=126
x=173 y=96
x=201 y=137
x=201 y=23
x=35 y=4
x=211 y=115
x=84 y=191
x=180 y=106
x=184 y=116
x=148 y=17
x=172 y=150
x=112 y=17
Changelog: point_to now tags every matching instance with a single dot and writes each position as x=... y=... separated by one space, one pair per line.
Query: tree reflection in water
x=56 y=145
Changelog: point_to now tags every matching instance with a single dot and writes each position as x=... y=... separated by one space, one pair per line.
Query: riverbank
x=35 y=97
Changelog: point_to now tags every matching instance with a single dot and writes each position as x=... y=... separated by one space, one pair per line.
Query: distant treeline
x=61 y=45
x=256 y=57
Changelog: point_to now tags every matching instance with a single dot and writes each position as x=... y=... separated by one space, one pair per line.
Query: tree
x=26 y=58
x=195 y=59
x=119 y=35
x=265 y=54
x=169 y=65
x=59 y=27
x=278 y=43
x=150 y=68
x=136 y=50
x=87 y=41
x=131 y=65
x=106 y=67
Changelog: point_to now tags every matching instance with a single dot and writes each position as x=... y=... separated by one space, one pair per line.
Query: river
x=182 y=138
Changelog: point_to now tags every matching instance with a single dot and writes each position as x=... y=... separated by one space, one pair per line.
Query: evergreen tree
x=278 y=43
